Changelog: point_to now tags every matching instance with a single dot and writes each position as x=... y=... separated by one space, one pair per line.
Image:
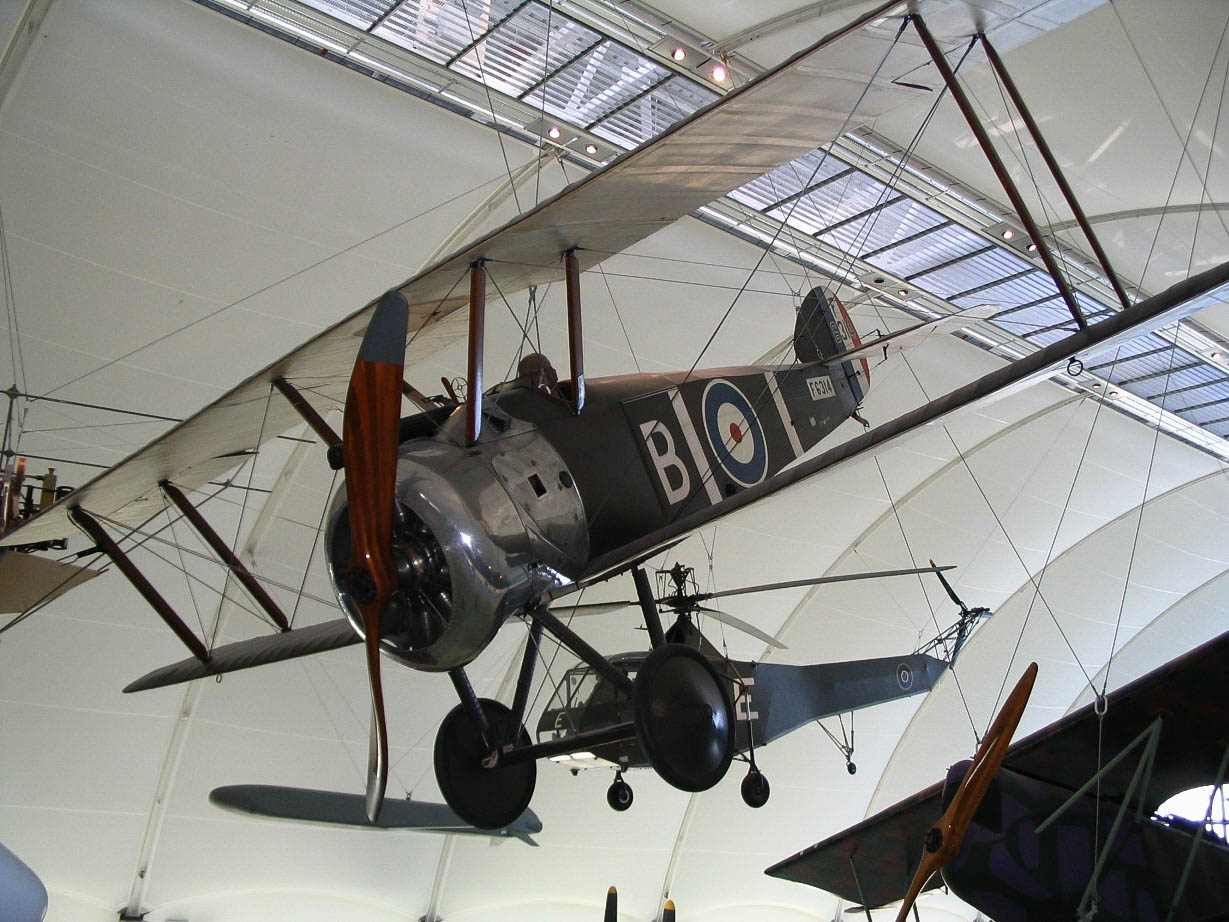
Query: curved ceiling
x=185 y=198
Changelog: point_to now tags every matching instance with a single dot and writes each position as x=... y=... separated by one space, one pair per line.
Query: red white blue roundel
x=904 y=676
x=734 y=433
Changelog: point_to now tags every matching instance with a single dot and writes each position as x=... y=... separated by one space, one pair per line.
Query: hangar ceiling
x=185 y=198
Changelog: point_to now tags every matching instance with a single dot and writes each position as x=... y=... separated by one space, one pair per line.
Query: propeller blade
x=370 y=439
x=951 y=593
x=612 y=906
x=818 y=580
x=944 y=839
x=667 y=912
x=741 y=625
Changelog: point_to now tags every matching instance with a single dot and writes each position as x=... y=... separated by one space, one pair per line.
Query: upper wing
x=771 y=120
x=1184 y=694
x=1169 y=306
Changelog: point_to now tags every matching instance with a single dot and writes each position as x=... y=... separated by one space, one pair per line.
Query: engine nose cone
x=420 y=608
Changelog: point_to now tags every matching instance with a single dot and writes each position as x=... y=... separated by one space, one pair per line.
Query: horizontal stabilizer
x=244 y=654
x=24 y=896
x=910 y=336
x=307 y=806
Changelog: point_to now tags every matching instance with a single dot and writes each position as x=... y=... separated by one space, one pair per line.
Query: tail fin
x=821 y=333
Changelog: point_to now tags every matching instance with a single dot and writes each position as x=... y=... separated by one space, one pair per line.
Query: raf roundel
x=904 y=676
x=734 y=433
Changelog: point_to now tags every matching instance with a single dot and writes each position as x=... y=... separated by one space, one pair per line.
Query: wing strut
x=575 y=345
x=1052 y=163
x=996 y=163
x=90 y=525
x=477 y=328
x=308 y=412
x=222 y=549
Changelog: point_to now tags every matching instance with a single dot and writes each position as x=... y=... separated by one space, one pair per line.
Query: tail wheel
x=755 y=789
x=619 y=795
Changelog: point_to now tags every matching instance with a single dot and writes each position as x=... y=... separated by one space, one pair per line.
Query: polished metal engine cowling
x=480 y=534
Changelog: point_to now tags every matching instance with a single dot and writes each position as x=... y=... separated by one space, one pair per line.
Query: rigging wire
x=324 y=510
x=793 y=205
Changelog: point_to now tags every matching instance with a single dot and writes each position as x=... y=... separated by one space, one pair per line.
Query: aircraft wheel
x=684 y=717
x=488 y=798
x=851 y=768
x=619 y=795
x=755 y=789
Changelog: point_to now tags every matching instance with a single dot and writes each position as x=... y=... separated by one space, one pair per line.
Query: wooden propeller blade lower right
x=944 y=839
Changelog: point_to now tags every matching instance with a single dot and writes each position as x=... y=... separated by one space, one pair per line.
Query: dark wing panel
x=308 y=806
x=871 y=863
x=1187 y=693
x=244 y=654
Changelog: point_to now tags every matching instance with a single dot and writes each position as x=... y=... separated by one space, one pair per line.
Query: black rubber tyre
x=684 y=717
x=851 y=768
x=488 y=798
x=619 y=795
x=755 y=789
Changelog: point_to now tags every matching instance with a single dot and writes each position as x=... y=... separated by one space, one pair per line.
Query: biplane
x=477 y=511
x=1067 y=828
x=770 y=699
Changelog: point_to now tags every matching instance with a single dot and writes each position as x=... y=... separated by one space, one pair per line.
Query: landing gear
x=485 y=797
x=755 y=789
x=619 y=794
x=684 y=717
x=851 y=768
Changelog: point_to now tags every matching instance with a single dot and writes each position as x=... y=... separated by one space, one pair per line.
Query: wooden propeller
x=369 y=438
x=945 y=837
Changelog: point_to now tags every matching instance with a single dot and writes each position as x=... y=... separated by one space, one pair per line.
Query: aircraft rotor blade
x=946 y=836
x=591 y=608
x=951 y=593
x=741 y=625
x=819 y=580
x=369 y=437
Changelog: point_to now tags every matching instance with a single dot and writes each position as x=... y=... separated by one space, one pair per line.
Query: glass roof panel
x=361 y=13
x=937 y=247
x=596 y=84
x=440 y=29
x=789 y=179
x=882 y=228
x=525 y=49
x=982 y=269
x=835 y=201
x=651 y=114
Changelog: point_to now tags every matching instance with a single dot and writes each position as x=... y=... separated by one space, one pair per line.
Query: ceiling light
x=1008 y=233
x=1032 y=248
x=903 y=292
x=719 y=73
x=1096 y=384
x=679 y=54
x=591 y=149
x=554 y=133
x=1113 y=395
x=1216 y=356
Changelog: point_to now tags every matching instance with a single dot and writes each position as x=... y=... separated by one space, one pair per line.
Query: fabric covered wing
x=256 y=651
x=1187 y=694
x=869 y=864
x=780 y=115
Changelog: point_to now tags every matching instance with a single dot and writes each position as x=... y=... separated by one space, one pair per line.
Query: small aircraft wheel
x=851 y=768
x=755 y=789
x=684 y=717
x=488 y=798
x=619 y=795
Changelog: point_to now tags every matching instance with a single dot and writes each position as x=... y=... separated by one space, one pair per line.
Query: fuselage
x=484 y=530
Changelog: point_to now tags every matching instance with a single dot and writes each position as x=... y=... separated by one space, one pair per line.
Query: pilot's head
x=535 y=370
